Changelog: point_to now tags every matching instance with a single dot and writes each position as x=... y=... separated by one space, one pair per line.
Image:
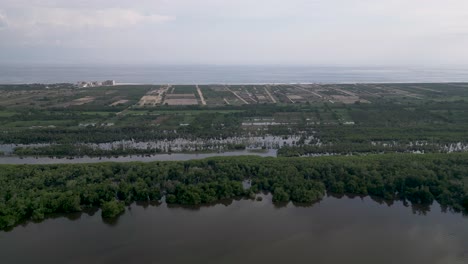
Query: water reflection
x=111 y=222
x=178 y=145
x=225 y=202
x=346 y=230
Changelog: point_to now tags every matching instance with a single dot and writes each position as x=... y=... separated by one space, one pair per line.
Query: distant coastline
x=204 y=74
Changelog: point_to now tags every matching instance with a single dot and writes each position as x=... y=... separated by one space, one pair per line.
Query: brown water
x=333 y=231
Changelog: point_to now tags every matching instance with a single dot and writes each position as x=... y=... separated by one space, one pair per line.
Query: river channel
x=345 y=230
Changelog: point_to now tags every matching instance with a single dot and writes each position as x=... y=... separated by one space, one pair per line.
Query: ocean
x=212 y=74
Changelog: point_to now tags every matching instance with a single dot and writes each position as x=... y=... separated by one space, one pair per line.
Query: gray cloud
x=237 y=31
x=3 y=21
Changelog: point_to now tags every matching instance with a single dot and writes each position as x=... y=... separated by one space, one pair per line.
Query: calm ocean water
x=225 y=74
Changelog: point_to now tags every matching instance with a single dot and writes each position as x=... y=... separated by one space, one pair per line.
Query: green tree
x=112 y=209
x=280 y=195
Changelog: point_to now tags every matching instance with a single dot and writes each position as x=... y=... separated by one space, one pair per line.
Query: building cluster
x=96 y=84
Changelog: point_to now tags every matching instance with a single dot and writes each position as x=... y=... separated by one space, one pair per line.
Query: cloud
x=240 y=31
x=44 y=18
x=3 y=21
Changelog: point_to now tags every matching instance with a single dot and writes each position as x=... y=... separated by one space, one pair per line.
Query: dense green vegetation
x=35 y=191
x=137 y=125
x=353 y=148
x=392 y=125
x=112 y=209
x=385 y=117
x=80 y=150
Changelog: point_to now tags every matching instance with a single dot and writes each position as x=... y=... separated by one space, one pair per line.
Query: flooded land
x=234 y=173
x=68 y=120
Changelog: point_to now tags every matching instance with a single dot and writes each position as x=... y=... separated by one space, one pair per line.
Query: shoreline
x=252 y=83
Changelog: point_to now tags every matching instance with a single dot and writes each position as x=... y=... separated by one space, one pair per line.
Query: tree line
x=355 y=148
x=32 y=192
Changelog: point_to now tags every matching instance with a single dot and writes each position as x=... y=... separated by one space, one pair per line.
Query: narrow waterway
x=129 y=158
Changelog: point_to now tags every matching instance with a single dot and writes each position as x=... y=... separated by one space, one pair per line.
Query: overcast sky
x=312 y=32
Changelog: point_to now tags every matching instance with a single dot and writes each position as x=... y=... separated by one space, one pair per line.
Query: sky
x=235 y=32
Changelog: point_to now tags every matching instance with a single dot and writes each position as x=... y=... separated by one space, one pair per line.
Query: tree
x=465 y=203
x=112 y=209
x=280 y=195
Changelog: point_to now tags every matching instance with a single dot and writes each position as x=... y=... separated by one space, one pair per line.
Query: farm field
x=69 y=96
x=323 y=117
